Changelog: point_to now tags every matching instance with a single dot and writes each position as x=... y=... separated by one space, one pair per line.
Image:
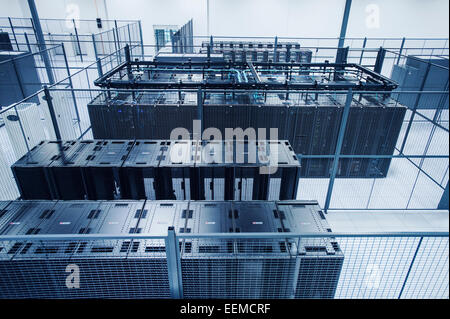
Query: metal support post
x=40 y=40
x=128 y=61
x=78 y=39
x=401 y=50
x=362 y=51
x=348 y=5
x=95 y=47
x=142 y=39
x=174 y=264
x=116 y=29
x=99 y=68
x=275 y=49
x=379 y=61
x=13 y=33
x=199 y=112
x=340 y=140
x=27 y=41
x=48 y=98
x=71 y=86
x=129 y=35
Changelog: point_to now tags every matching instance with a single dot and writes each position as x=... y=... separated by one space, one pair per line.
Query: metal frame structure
x=123 y=76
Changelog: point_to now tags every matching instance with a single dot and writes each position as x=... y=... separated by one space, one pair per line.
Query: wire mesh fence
x=84 y=40
x=244 y=265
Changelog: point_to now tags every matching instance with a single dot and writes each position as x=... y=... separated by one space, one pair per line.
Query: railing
x=387 y=265
x=84 y=41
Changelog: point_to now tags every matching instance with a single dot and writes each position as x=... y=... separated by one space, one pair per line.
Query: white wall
x=301 y=18
x=320 y=18
x=399 y=18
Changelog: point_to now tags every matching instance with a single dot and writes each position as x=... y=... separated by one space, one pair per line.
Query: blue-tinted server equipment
x=209 y=267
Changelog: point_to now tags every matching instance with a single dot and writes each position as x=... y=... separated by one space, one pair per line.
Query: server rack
x=164 y=170
x=265 y=266
x=138 y=172
x=66 y=170
x=318 y=260
x=432 y=73
x=152 y=281
x=208 y=265
x=259 y=51
x=176 y=173
x=31 y=173
x=19 y=273
x=247 y=170
x=106 y=259
x=148 y=114
x=102 y=169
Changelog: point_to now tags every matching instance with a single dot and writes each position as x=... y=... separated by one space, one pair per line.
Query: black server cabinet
x=318 y=260
x=175 y=174
x=31 y=171
x=113 y=117
x=138 y=172
x=102 y=169
x=66 y=170
x=208 y=265
x=265 y=267
x=148 y=256
x=103 y=263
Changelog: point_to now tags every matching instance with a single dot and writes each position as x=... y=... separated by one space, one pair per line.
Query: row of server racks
x=258 y=51
x=159 y=170
x=210 y=267
x=311 y=127
x=244 y=95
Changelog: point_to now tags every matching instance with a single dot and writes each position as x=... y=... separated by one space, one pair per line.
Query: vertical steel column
x=400 y=51
x=128 y=61
x=422 y=85
x=379 y=60
x=340 y=140
x=199 y=112
x=78 y=39
x=348 y=5
x=362 y=51
x=27 y=41
x=211 y=42
x=443 y=204
x=71 y=86
x=14 y=34
x=40 y=40
x=95 y=47
x=117 y=38
x=174 y=264
x=275 y=49
x=99 y=68
x=142 y=40
x=129 y=35
x=48 y=98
